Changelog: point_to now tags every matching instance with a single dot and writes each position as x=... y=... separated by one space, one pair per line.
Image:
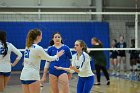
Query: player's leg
x=98 y=74
x=106 y=74
x=34 y=87
x=64 y=83
x=25 y=88
x=119 y=62
x=53 y=80
x=115 y=64
x=124 y=63
x=88 y=84
x=80 y=85
x=1 y=83
x=6 y=80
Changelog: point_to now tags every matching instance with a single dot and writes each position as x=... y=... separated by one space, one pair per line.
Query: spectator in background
x=113 y=57
x=121 y=54
x=99 y=61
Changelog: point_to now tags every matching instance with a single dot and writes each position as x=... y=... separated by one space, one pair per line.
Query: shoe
x=108 y=83
x=98 y=83
x=41 y=85
x=117 y=74
x=113 y=73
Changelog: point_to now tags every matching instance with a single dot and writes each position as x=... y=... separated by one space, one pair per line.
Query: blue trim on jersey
x=82 y=61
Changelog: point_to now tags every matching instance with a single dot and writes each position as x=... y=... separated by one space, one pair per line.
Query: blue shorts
x=57 y=72
x=6 y=74
x=28 y=81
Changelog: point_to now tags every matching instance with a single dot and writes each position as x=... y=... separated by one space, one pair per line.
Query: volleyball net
x=80 y=24
x=73 y=26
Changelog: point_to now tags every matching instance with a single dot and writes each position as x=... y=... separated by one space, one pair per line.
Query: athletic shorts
x=57 y=72
x=27 y=81
x=7 y=74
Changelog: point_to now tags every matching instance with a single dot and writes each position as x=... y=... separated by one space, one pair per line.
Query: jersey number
x=2 y=50
x=26 y=53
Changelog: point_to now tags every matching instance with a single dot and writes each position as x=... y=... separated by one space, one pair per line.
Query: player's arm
x=17 y=52
x=46 y=69
x=65 y=69
x=45 y=56
x=70 y=74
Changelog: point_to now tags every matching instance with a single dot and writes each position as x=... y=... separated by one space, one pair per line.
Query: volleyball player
x=5 y=63
x=121 y=54
x=57 y=77
x=113 y=57
x=33 y=54
x=99 y=61
x=81 y=65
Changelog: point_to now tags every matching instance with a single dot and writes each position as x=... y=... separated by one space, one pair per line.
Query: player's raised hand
x=60 y=53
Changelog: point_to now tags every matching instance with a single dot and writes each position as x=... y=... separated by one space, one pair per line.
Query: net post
x=136 y=30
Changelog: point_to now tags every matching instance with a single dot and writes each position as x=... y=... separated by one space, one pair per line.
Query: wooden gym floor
x=117 y=85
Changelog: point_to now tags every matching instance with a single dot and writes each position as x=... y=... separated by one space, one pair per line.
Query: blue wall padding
x=70 y=31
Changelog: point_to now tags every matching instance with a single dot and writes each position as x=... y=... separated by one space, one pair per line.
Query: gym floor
x=117 y=85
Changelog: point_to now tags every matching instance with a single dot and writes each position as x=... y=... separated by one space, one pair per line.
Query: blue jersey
x=63 y=61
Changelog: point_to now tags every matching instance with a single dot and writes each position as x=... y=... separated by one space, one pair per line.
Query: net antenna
x=136 y=24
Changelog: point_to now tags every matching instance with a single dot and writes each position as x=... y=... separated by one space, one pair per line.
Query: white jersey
x=5 y=62
x=83 y=64
x=32 y=59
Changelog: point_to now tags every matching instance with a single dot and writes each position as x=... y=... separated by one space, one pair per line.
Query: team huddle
x=60 y=63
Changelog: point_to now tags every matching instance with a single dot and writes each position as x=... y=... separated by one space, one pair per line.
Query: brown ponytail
x=32 y=35
x=97 y=40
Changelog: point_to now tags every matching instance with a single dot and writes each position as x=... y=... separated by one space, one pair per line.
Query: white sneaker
x=117 y=74
x=125 y=74
x=113 y=73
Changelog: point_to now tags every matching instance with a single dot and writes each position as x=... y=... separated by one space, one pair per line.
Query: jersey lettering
x=26 y=53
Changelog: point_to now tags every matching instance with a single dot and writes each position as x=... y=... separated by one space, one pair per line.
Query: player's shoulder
x=65 y=47
x=51 y=47
x=9 y=44
x=74 y=54
x=6 y=43
x=85 y=54
x=38 y=47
